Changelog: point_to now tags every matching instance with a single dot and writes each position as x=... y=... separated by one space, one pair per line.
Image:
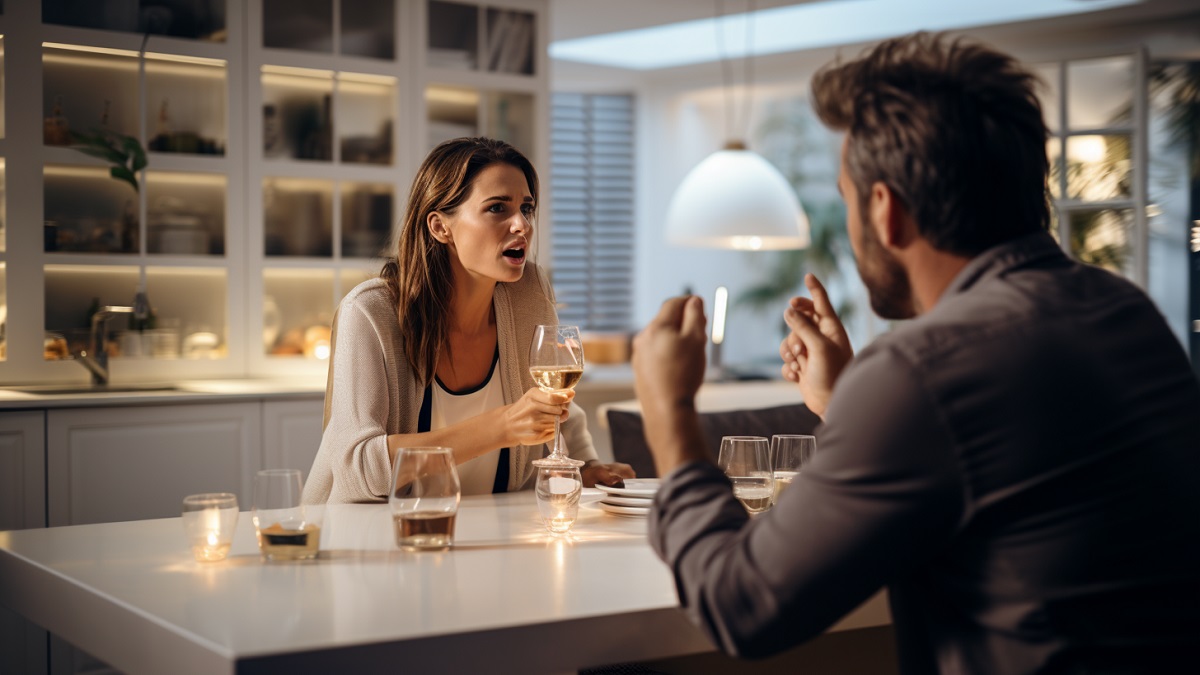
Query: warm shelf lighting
x=298 y=185
x=366 y=78
x=150 y=56
x=185 y=178
x=56 y=171
x=310 y=73
x=467 y=97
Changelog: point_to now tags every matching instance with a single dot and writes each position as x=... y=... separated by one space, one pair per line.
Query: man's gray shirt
x=1020 y=467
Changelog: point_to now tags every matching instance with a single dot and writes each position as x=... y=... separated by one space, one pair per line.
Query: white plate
x=591 y=495
x=634 y=487
x=616 y=509
x=639 y=502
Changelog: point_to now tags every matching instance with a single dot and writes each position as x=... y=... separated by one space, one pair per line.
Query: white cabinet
x=22 y=505
x=22 y=470
x=113 y=464
x=291 y=434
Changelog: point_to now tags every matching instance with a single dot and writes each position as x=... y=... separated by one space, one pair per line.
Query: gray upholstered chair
x=629 y=440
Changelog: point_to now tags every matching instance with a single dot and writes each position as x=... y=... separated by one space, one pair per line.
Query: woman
x=435 y=351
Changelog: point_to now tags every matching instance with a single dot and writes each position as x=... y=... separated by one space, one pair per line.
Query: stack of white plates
x=631 y=500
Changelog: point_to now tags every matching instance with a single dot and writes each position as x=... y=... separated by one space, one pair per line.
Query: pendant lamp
x=735 y=199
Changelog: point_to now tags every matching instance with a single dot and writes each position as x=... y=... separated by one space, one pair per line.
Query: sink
x=67 y=389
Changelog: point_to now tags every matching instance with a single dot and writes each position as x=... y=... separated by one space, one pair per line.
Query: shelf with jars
x=177 y=327
x=136 y=188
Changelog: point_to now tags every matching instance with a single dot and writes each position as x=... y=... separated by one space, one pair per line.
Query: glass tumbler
x=286 y=529
x=209 y=521
x=424 y=498
x=789 y=454
x=746 y=460
x=558 y=488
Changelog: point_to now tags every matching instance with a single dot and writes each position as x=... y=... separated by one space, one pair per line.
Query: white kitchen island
x=508 y=598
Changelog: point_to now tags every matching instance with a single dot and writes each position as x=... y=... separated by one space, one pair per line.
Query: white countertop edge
x=188 y=391
x=138 y=640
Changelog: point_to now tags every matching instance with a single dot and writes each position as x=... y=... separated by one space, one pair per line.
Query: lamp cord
x=727 y=72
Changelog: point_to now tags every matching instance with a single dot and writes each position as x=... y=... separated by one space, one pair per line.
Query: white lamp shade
x=736 y=199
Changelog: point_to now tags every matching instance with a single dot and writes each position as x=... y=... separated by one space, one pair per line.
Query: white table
x=507 y=598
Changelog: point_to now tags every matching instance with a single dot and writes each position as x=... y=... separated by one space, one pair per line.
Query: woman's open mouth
x=515 y=255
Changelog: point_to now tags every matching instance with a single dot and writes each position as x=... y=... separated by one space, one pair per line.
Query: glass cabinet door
x=187 y=311
x=297 y=113
x=366 y=115
x=297 y=217
x=453 y=35
x=297 y=312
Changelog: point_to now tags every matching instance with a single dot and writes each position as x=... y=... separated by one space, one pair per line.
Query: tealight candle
x=208 y=522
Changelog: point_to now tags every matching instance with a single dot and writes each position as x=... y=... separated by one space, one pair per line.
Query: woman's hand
x=594 y=473
x=530 y=421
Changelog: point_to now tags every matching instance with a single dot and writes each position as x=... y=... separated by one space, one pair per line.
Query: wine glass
x=556 y=364
x=746 y=460
x=789 y=454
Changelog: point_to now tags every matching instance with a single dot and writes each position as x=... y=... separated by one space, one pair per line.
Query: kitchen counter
x=508 y=598
x=27 y=397
x=602 y=381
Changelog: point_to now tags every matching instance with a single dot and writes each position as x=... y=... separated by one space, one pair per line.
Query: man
x=1019 y=465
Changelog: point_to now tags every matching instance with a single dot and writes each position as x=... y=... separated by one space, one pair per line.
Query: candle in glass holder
x=558 y=488
x=208 y=522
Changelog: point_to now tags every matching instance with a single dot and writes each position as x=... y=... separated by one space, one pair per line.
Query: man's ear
x=437 y=227
x=889 y=216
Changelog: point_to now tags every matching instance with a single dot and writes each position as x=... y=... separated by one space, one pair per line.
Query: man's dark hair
x=953 y=128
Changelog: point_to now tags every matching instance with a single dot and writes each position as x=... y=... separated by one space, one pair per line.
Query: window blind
x=591 y=172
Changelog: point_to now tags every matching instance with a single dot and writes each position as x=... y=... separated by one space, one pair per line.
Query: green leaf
x=122 y=173
x=135 y=151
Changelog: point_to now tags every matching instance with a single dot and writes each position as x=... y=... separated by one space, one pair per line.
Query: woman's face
x=489 y=233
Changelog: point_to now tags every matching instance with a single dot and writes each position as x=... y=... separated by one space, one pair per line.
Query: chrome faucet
x=95 y=359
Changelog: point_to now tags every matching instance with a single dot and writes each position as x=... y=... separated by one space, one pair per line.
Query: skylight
x=818 y=24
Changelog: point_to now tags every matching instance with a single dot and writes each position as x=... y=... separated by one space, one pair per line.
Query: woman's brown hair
x=419 y=277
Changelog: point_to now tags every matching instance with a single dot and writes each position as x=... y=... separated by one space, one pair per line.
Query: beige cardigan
x=371 y=392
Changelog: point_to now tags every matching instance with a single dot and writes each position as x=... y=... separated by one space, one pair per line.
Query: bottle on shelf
x=162 y=133
x=55 y=129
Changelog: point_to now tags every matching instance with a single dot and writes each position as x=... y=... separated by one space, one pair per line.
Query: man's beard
x=885 y=278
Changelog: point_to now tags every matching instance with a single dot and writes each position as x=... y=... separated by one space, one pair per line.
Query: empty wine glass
x=556 y=364
x=746 y=460
x=789 y=453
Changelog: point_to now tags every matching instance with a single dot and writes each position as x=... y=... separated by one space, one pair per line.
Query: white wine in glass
x=746 y=460
x=556 y=364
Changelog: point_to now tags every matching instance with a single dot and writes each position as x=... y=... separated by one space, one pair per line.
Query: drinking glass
x=558 y=488
x=208 y=522
x=747 y=462
x=424 y=498
x=556 y=364
x=286 y=529
x=789 y=453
